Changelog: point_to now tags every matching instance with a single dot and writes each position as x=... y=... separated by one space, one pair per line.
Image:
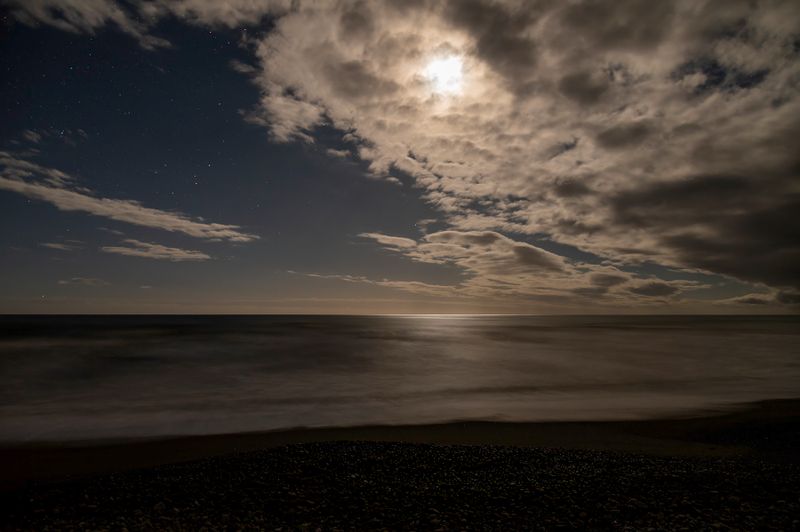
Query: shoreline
x=770 y=428
x=735 y=470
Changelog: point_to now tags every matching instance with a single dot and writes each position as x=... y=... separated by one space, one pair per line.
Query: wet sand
x=738 y=470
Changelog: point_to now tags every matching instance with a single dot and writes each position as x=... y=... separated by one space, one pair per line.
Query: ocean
x=85 y=377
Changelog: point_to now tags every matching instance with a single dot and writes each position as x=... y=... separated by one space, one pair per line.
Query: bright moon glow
x=445 y=74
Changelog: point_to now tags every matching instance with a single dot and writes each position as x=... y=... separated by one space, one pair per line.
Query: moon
x=445 y=74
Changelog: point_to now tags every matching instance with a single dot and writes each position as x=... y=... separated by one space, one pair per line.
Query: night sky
x=231 y=156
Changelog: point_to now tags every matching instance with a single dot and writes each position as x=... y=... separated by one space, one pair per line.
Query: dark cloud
x=607 y=279
x=583 y=88
x=654 y=289
x=561 y=148
x=753 y=300
x=478 y=238
x=624 y=135
x=535 y=257
x=784 y=298
x=354 y=79
x=356 y=22
x=571 y=226
x=499 y=37
x=788 y=298
x=658 y=203
x=601 y=284
x=570 y=188
x=591 y=291
x=745 y=260
x=718 y=76
x=750 y=227
x=623 y=24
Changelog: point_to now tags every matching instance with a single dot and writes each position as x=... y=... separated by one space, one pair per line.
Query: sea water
x=86 y=377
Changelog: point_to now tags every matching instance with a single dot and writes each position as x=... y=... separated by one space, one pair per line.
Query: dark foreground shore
x=739 y=471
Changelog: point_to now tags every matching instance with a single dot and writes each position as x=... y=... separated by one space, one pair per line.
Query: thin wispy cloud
x=390 y=241
x=84 y=281
x=32 y=136
x=68 y=136
x=148 y=250
x=60 y=190
x=415 y=287
x=84 y=16
x=342 y=154
x=63 y=246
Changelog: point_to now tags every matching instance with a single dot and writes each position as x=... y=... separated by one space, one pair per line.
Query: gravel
x=369 y=485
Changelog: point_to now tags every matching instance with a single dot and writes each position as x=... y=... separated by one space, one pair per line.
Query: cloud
x=137 y=19
x=230 y=13
x=607 y=280
x=600 y=283
x=58 y=189
x=500 y=37
x=84 y=281
x=788 y=298
x=341 y=154
x=480 y=251
x=731 y=224
x=586 y=88
x=627 y=25
x=242 y=68
x=71 y=245
x=655 y=289
x=83 y=16
x=32 y=136
x=390 y=241
x=603 y=72
x=496 y=266
x=136 y=248
x=69 y=136
x=415 y=287
x=486 y=252
x=623 y=135
x=752 y=299
x=761 y=299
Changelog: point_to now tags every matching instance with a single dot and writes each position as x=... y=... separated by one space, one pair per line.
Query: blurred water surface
x=82 y=377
